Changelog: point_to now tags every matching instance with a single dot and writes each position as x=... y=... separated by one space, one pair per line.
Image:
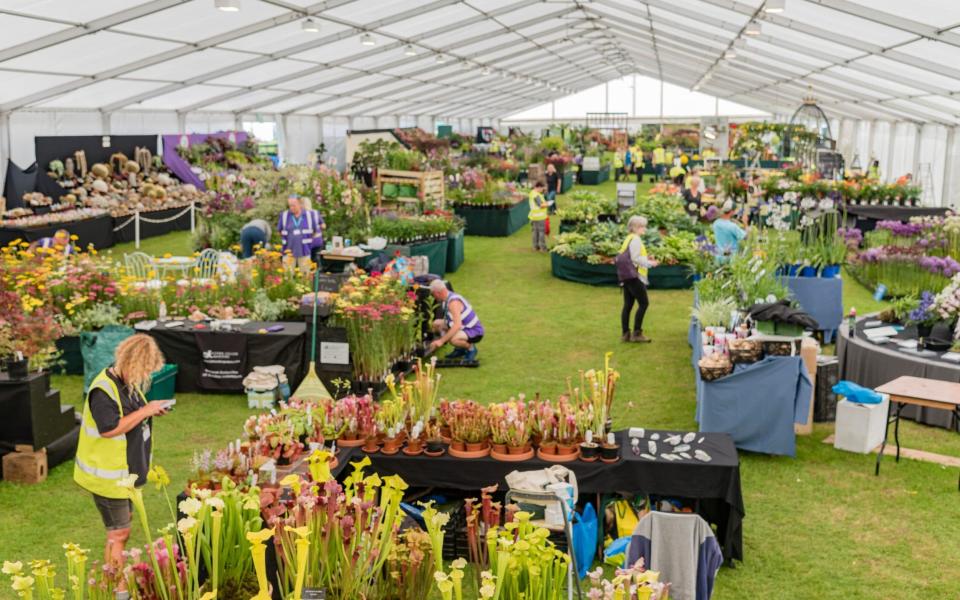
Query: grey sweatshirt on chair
x=683 y=548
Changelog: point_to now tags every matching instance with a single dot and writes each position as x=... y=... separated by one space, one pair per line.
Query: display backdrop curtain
x=181 y=168
x=61 y=147
x=18 y=182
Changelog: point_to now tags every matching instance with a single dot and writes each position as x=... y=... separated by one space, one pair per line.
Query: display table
x=715 y=484
x=497 y=222
x=97 y=231
x=866 y=217
x=218 y=361
x=180 y=265
x=821 y=298
x=871 y=365
x=757 y=404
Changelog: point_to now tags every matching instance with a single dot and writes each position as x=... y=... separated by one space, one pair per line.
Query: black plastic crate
x=824 y=399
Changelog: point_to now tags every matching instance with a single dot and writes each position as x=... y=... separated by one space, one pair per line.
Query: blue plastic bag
x=616 y=551
x=857 y=393
x=585 y=539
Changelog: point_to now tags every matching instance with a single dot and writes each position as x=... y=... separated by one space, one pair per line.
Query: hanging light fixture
x=310 y=25
x=753 y=28
x=729 y=54
x=227 y=5
x=367 y=40
x=409 y=50
x=775 y=6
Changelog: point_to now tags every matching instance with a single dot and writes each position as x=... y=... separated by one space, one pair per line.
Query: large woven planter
x=494 y=222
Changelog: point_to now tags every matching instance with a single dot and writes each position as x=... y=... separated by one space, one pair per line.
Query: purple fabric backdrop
x=181 y=168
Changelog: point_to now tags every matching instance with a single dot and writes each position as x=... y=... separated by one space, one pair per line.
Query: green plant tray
x=163 y=384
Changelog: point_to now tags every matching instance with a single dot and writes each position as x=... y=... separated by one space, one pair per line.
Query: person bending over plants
x=460 y=325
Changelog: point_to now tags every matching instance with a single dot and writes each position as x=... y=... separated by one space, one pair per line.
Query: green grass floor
x=818 y=526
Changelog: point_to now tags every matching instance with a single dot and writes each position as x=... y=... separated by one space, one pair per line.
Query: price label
x=335 y=353
x=313 y=594
x=328 y=283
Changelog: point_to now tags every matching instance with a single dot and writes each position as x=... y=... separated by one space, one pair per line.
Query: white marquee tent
x=885 y=71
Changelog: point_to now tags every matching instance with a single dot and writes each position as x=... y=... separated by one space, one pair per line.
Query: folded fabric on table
x=782 y=312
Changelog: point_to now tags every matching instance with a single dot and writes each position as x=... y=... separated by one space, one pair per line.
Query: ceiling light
x=441 y=59
x=409 y=50
x=367 y=40
x=553 y=88
x=696 y=87
x=311 y=26
x=227 y=5
x=731 y=53
x=775 y=6
x=753 y=28
x=739 y=43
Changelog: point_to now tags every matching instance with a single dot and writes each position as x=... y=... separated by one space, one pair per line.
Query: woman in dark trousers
x=635 y=284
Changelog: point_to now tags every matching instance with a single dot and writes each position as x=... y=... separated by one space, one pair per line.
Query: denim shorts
x=115 y=512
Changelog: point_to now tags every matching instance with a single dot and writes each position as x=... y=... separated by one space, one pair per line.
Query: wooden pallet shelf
x=429 y=184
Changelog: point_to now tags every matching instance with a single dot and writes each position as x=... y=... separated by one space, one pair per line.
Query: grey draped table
x=872 y=365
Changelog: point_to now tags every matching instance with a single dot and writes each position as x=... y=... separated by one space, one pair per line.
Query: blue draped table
x=757 y=404
x=821 y=298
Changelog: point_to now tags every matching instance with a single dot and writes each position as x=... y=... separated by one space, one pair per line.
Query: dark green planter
x=496 y=222
x=455 y=255
x=671 y=277
x=567 y=181
x=435 y=251
x=71 y=359
x=595 y=177
x=674 y=277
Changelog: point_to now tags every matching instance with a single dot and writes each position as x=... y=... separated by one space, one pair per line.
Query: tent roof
x=871 y=59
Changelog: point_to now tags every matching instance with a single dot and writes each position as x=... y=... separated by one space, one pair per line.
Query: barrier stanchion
x=193 y=208
x=136 y=229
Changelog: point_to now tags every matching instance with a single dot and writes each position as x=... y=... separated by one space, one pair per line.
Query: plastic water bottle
x=162 y=312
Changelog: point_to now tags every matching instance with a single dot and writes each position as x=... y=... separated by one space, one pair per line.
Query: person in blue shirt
x=726 y=232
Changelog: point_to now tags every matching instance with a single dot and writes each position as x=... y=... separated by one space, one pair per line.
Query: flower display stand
x=429 y=185
x=595 y=177
x=455 y=253
x=494 y=222
x=33 y=416
x=669 y=277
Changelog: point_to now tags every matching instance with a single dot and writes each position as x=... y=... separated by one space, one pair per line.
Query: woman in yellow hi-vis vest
x=635 y=288
x=115 y=440
x=538 y=217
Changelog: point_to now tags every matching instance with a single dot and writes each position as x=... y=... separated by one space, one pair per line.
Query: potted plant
x=414 y=441
x=610 y=450
x=588 y=448
x=924 y=316
x=469 y=425
x=567 y=431
x=518 y=427
x=434 y=440
x=544 y=426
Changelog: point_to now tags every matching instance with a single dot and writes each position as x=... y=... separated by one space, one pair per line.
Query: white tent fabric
x=90 y=67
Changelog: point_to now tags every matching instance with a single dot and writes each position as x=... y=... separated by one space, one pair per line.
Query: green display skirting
x=674 y=277
x=455 y=255
x=567 y=182
x=496 y=222
x=595 y=177
x=436 y=252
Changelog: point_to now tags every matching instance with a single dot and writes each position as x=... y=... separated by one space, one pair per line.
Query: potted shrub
x=469 y=425
x=566 y=428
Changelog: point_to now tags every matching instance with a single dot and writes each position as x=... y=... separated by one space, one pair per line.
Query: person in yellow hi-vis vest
x=637 y=162
x=660 y=162
x=617 y=165
x=538 y=216
x=115 y=445
x=635 y=285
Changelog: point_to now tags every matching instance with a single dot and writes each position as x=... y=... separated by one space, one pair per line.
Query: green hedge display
x=496 y=222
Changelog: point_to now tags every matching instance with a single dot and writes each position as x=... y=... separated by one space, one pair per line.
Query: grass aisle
x=818 y=526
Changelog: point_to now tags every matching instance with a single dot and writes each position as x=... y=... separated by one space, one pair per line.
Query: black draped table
x=714 y=485
x=97 y=231
x=152 y=223
x=872 y=365
x=217 y=361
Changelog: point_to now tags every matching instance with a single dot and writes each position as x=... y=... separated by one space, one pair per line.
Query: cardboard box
x=25 y=465
x=808 y=351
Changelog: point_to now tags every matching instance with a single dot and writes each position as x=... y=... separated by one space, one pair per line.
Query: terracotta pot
x=349 y=436
x=548 y=447
x=458 y=445
x=415 y=444
x=371 y=445
x=499 y=448
x=475 y=446
x=517 y=449
x=391 y=444
x=566 y=449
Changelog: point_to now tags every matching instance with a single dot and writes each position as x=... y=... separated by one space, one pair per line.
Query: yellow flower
x=302 y=531
x=74 y=237
x=259 y=537
x=129 y=482
x=22 y=584
x=158 y=476
x=167 y=255
x=292 y=481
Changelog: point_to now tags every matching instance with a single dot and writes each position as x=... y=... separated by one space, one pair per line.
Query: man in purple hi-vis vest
x=301 y=232
x=460 y=325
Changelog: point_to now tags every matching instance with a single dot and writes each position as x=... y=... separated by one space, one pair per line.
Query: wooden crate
x=430 y=184
x=25 y=465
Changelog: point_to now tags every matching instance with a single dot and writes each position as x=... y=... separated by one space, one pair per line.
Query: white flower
x=190 y=506
x=203 y=494
x=12 y=568
x=186 y=525
x=826 y=204
x=215 y=503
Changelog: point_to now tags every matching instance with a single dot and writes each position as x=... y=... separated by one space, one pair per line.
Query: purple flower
x=923 y=313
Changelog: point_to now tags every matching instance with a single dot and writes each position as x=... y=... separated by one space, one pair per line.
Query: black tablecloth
x=865 y=217
x=97 y=231
x=286 y=347
x=127 y=233
x=715 y=485
x=872 y=365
